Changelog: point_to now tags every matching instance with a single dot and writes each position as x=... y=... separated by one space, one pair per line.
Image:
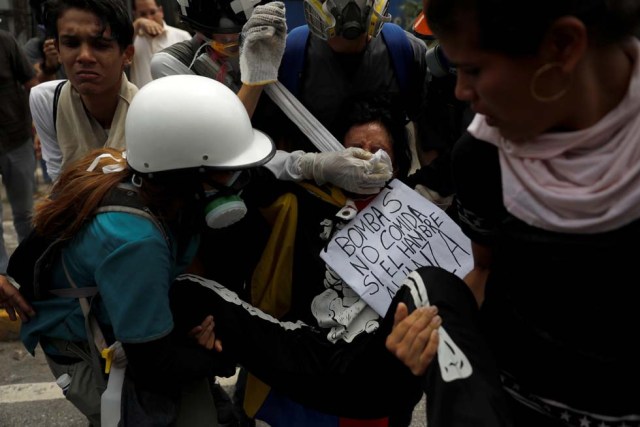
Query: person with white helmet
x=175 y=170
x=133 y=260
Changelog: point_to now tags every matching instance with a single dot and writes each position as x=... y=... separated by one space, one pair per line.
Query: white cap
x=64 y=381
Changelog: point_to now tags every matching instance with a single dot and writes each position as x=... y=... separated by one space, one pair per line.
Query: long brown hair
x=78 y=193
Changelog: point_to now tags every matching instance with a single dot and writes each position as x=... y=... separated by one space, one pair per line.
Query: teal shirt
x=127 y=257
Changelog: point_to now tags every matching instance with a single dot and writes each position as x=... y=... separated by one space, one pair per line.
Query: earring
x=534 y=80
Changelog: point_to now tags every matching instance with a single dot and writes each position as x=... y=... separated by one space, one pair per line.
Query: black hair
x=133 y=4
x=384 y=109
x=518 y=28
x=112 y=13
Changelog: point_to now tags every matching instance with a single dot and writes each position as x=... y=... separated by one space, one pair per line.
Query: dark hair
x=112 y=13
x=133 y=4
x=384 y=109
x=517 y=28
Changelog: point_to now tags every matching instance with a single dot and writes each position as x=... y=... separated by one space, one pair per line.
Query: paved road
x=28 y=395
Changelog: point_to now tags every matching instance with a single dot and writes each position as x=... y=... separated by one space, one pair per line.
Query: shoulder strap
x=292 y=65
x=125 y=198
x=401 y=54
x=94 y=333
x=56 y=98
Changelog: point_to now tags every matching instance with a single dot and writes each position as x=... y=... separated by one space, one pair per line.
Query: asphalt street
x=28 y=393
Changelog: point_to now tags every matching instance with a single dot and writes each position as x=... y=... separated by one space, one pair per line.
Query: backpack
x=31 y=263
x=394 y=37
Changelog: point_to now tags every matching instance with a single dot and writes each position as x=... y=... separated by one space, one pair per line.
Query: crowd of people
x=184 y=231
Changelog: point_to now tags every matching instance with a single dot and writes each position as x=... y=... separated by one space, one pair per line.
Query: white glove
x=354 y=169
x=262 y=44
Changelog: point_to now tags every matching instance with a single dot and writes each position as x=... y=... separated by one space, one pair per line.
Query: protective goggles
x=227 y=48
x=225 y=44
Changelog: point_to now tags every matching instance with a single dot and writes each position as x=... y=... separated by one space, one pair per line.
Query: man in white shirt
x=152 y=35
x=87 y=111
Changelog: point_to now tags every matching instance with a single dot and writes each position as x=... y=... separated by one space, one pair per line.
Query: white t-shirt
x=146 y=46
x=41 y=104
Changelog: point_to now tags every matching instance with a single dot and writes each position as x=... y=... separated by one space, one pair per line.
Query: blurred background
x=16 y=16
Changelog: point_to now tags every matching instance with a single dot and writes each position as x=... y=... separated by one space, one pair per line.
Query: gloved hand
x=262 y=44
x=353 y=169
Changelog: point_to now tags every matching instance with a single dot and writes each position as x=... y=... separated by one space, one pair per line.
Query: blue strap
x=401 y=54
x=290 y=72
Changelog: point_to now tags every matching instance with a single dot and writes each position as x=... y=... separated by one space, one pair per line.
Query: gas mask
x=223 y=205
x=346 y=18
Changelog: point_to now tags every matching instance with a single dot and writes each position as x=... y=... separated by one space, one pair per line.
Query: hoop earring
x=543 y=69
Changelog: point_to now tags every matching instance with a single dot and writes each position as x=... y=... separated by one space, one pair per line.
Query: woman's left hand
x=204 y=334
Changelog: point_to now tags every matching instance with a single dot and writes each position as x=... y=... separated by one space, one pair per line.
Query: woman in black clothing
x=547 y=182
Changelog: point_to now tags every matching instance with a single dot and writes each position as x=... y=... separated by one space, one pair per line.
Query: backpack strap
x=401 y=53
x=92 y=328
x=56 y=98
x=292 y=64
x=125 y=198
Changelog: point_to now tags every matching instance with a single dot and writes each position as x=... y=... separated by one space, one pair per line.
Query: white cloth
x=586 y=181
x=146 y=46
x=320 y=136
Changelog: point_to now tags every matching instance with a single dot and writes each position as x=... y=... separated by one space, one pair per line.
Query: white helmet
x=186 y=122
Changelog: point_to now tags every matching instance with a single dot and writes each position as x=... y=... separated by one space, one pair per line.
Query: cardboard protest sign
x=398 y=232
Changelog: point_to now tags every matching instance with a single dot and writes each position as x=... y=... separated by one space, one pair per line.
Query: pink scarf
x=587 y=181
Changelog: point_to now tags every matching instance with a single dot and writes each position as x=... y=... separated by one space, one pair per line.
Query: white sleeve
x=163 y=64
x=41 y=105
x=285 y=165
